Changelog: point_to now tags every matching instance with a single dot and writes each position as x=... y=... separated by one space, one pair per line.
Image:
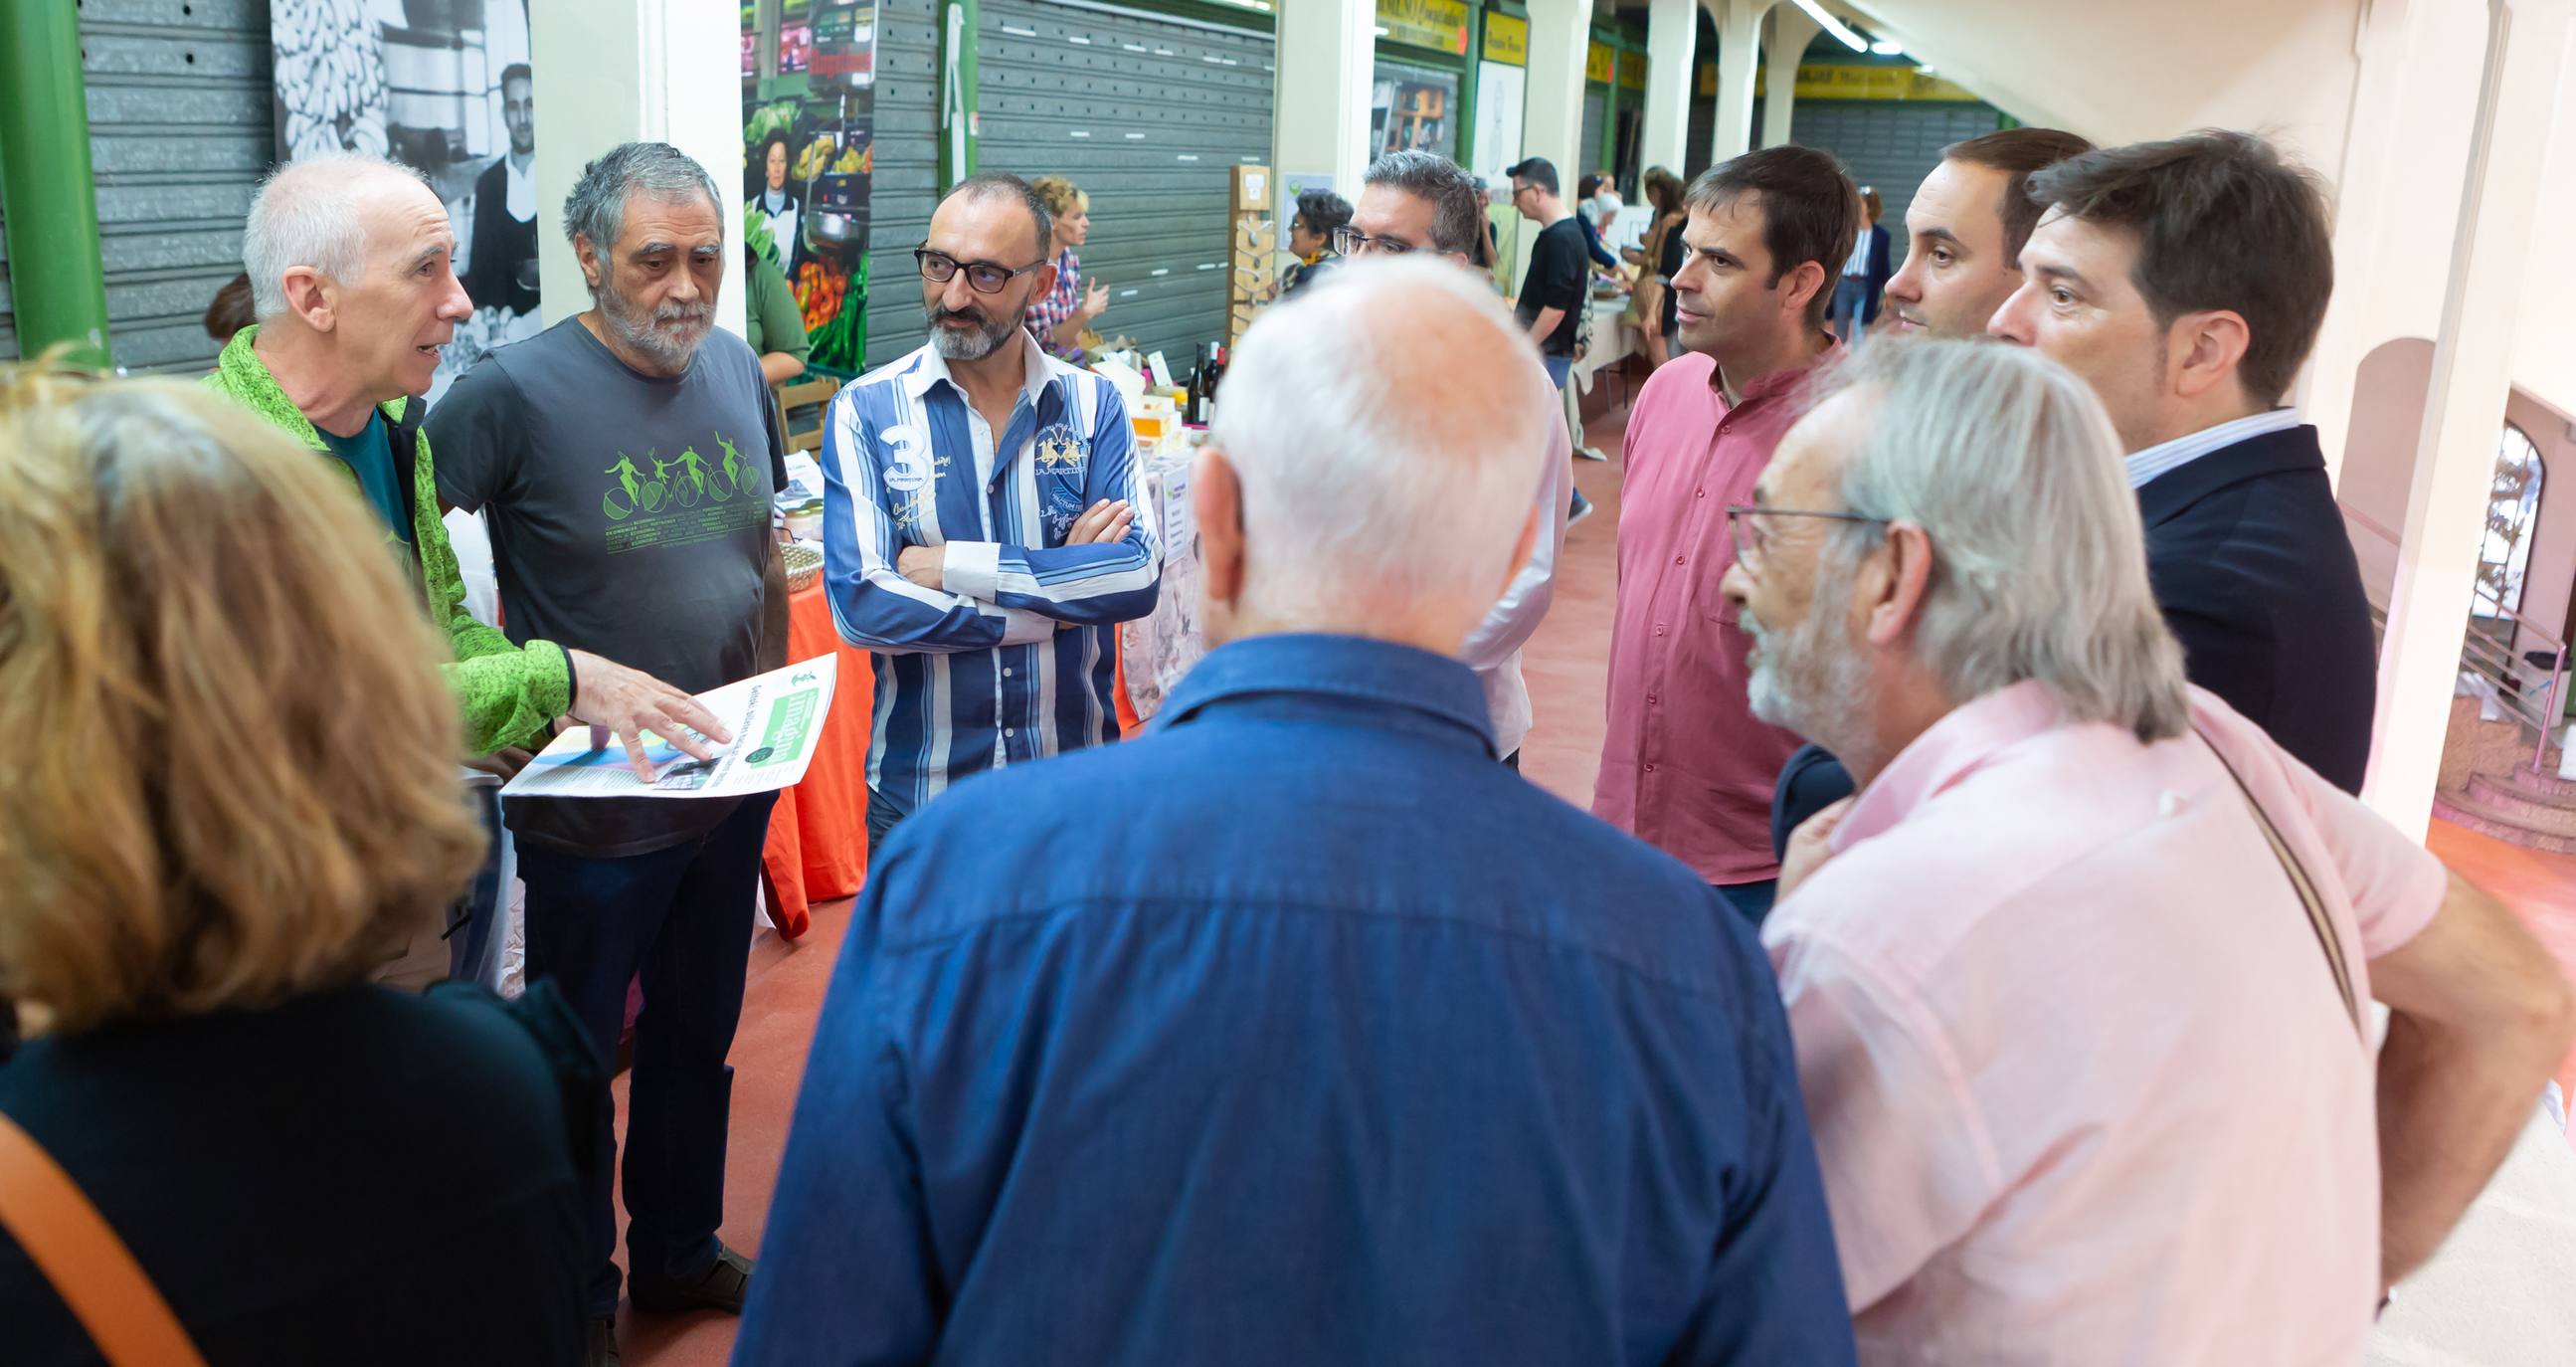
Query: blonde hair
x=236 y=778
x=1062 y=196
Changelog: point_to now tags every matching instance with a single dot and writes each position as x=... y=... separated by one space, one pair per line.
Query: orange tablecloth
x=818 y=832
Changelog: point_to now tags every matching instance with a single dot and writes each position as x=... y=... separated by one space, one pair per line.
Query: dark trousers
x=681 y=919
x=1752 y=901
x=882 y=817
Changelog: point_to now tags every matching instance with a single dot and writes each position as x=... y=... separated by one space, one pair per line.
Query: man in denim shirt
x=1301 y=1031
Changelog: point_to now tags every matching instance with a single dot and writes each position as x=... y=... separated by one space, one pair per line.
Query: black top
x=1668 y=263
x=2256 y=576
x=355 y=1176
x=502 y=245
x=1557 y=279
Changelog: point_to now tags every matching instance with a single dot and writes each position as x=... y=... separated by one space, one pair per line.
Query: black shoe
x=602 y=1349
x=723 y=1287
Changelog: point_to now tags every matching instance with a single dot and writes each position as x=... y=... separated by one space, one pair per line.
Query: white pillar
x=1560 y=40
x=1790 y=32
x=616 y=71
x=1320 y=98
x=1739 y=46
x=2376 y=189
x=1672 y=32
x=2455 y=458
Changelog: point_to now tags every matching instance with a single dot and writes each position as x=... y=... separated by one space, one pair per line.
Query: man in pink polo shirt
x=2076 y=981
x=1685 y=766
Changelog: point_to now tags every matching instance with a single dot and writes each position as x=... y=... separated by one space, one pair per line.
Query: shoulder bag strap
x=63 y=1234
x=2306 y=887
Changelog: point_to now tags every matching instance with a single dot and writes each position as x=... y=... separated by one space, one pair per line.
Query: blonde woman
x=231 y=796
x=1061 y=316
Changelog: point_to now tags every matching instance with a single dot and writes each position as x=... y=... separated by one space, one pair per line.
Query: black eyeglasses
x=983 y=277
x=1751 y=540
x=1353 y=242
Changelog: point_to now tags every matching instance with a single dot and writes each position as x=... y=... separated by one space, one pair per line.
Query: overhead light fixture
x=1887 y=47
x=1842 y=32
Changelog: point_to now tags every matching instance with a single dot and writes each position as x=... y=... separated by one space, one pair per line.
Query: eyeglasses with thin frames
x=983 y=277
x=1752 y=541
x=1352 y=242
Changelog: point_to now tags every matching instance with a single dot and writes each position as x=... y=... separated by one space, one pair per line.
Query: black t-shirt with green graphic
x=630 y=518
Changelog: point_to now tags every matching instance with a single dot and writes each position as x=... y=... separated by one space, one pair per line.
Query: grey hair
x=2010 y=466
x=1459 y=197
x=596 y=208
x=306 y=214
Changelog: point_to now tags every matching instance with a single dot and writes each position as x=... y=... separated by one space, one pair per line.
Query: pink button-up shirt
x=2081 y=1082
x=1684 y=765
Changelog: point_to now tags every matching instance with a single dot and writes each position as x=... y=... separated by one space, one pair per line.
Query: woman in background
x=1061 y=317
x=1658 y=260
x=234 y=796
x=1320 y=214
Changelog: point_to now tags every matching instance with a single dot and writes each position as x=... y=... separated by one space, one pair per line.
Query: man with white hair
x=625 y=459
x=348 y=258
x=2076 y=980
x=1300 y=1031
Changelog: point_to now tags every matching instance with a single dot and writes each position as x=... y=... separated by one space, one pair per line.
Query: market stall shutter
x=904 y=187
x=180 y=132
x=1889 y=145
x=1596 y=113
x=1149 y=115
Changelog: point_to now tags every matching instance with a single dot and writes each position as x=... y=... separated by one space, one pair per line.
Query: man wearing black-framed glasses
x=977 y=528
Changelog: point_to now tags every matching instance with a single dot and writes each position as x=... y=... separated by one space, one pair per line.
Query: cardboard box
x=1251 y=190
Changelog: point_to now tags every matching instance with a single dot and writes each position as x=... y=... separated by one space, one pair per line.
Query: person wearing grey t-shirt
x=625 y=460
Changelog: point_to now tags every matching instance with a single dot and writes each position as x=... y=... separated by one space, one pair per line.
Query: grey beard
x=671 y=341
x=971 y=346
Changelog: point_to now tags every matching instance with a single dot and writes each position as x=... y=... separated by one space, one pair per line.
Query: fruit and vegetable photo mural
x=808 y=131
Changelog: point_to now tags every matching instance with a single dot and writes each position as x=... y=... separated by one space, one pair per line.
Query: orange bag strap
x=91 y=1269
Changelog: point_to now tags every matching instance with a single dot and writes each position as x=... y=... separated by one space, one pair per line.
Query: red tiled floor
x=2539 y=886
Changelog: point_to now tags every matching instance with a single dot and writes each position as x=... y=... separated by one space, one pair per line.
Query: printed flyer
x=776 y=719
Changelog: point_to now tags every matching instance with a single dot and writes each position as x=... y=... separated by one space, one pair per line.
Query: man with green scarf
x=351 y=279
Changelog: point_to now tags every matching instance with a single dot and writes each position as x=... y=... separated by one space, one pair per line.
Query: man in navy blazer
x=2186 y=280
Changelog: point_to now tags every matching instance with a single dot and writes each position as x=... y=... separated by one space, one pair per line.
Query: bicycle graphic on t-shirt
x=683 y=481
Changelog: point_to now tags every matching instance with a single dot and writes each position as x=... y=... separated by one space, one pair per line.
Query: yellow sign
x=1506 y=39
x=1436 y=24
x=1601 y=65
x=1837 y=81
x=1632 y=71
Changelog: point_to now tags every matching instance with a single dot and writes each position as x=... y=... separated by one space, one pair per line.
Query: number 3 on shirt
x=906 y=465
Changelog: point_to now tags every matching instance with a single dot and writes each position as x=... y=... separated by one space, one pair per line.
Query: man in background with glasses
x=1416 y=201
x=978 y=528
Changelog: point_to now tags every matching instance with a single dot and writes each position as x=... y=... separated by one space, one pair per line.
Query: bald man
x=1299 y=1030
x=353 y=284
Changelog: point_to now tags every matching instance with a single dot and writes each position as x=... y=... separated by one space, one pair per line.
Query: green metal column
x=1467 y=85
x=959 y=96
x=55 y=281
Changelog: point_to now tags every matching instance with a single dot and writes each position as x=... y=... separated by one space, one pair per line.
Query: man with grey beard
x=625 y=459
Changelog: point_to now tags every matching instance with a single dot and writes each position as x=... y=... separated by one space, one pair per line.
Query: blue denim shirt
x=1298 y=1031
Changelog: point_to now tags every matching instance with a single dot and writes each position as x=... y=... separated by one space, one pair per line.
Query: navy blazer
x=2256 y=576
x=1880 y=268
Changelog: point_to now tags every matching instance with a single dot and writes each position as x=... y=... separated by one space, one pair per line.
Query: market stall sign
x=1506 y=40
x=1632 y=71
x=1440 y=25
x=1600 y=64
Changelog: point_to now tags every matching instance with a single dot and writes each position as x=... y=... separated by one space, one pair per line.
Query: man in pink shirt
x=1684 y=765
x=2082 y=1051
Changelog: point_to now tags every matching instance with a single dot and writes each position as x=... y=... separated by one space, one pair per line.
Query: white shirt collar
x=1038 y=370
x=2168 y=457
x=519 y=188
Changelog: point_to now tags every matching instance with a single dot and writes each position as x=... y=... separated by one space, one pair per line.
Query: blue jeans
x=882 y=817
x=1558 y=368
x=1752 y=901
x=681 y=918
x=1850 y=306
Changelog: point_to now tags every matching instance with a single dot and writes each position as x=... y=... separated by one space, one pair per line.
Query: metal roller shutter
x=180 y=132
x=1148 y=115
x=1596 y=112
x=905 y=184
x=1889 y=146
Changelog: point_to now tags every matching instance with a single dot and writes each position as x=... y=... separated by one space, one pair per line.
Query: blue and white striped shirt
x=1013 y=657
